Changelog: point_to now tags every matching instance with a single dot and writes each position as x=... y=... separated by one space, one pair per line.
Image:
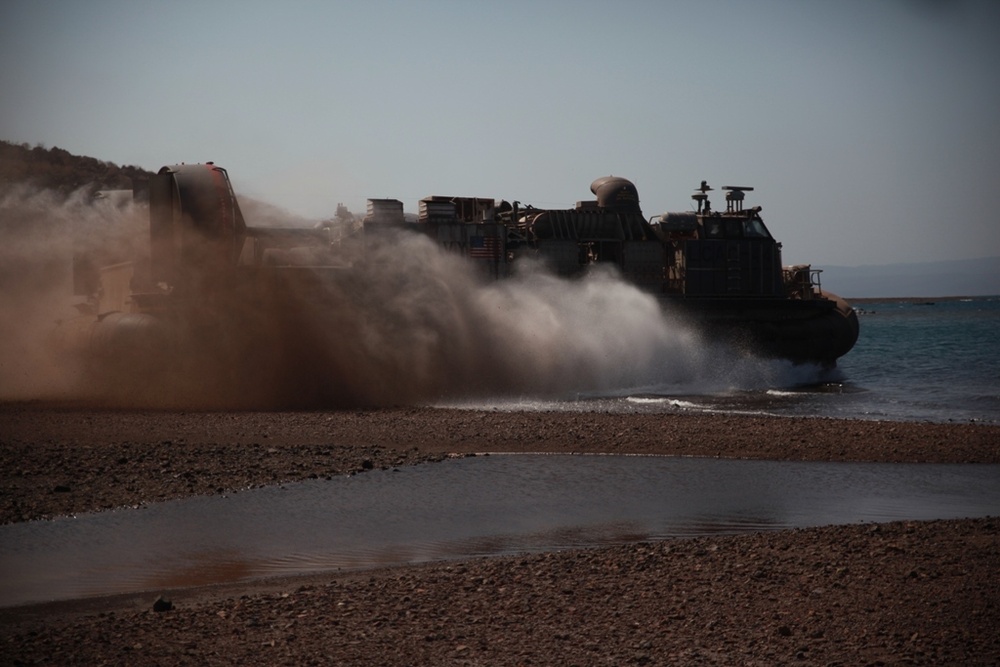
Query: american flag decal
x=487 y=247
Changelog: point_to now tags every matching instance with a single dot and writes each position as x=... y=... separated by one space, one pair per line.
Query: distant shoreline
x=915 y=299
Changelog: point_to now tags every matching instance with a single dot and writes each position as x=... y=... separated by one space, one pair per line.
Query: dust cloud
x=401 y=323
x=39 y=232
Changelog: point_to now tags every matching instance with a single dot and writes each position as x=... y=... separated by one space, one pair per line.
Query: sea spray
x=406 y=323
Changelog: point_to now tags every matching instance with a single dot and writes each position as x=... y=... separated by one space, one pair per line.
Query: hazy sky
x=870 y=128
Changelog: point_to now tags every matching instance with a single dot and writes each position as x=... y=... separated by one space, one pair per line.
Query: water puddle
x=484 y=505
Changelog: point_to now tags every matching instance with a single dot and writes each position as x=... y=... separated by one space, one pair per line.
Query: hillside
x=60 y=171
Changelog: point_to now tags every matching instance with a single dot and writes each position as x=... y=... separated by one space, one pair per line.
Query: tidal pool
x=475 y=506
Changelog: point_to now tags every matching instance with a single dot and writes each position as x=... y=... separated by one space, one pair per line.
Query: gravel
x=899 y=593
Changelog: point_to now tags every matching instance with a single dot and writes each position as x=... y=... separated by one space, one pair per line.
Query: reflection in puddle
x=484 y=505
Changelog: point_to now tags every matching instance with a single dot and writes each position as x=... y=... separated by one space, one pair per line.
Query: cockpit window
x=735 y=228
x=755 y=229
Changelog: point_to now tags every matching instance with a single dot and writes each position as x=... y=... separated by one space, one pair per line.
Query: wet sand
x=902 y=593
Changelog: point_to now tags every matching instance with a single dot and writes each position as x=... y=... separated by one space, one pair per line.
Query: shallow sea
x=466 y=508
x=927 y=360
x=915 y=360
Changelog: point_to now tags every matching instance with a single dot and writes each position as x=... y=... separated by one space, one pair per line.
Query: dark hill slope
x=60 y=171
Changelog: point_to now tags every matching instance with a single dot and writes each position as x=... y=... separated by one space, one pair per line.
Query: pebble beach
x=895 y=593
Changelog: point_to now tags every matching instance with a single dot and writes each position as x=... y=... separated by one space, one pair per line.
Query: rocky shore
x=901 y=593
x=62 y=460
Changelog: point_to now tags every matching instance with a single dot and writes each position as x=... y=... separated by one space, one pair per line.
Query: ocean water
x=923 y=360
x=915 y=360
